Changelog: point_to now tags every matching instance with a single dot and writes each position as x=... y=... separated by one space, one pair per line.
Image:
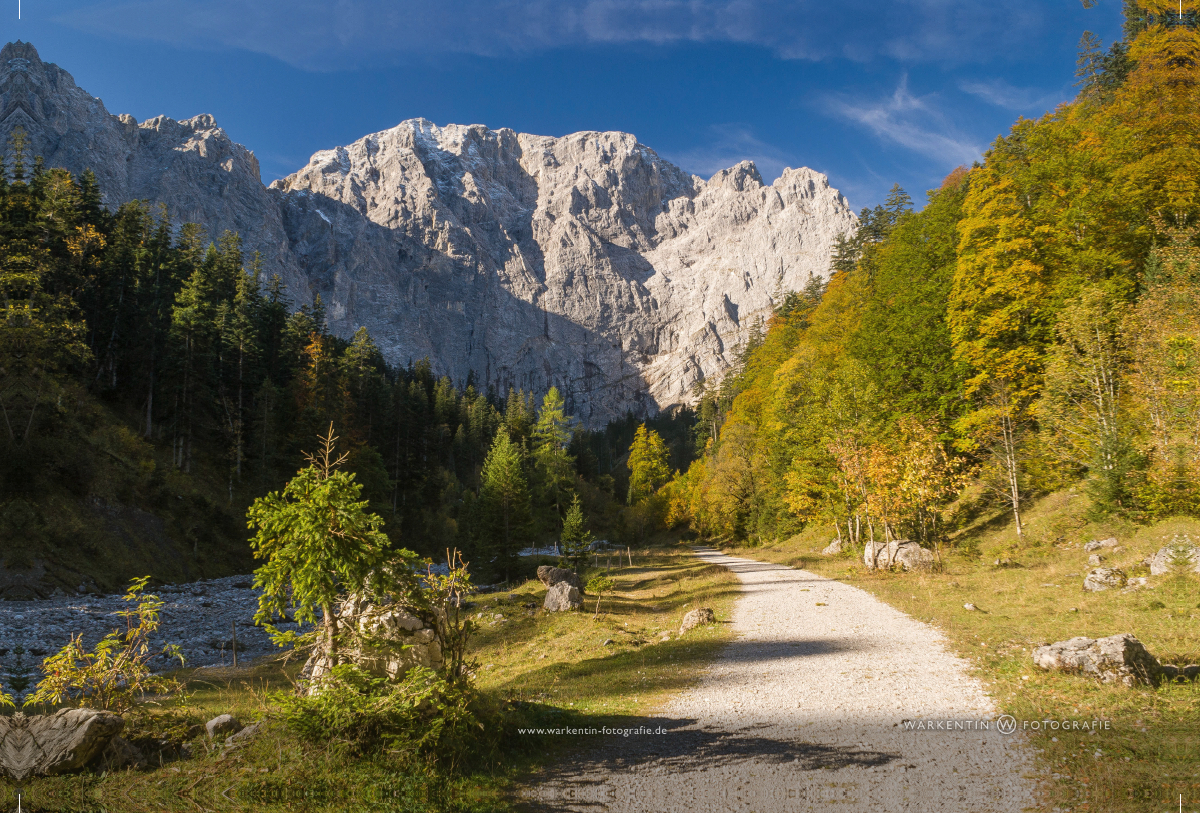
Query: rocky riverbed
x=201 y=618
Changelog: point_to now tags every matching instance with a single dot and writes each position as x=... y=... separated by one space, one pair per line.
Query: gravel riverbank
x=826 y=698
x=199 y=617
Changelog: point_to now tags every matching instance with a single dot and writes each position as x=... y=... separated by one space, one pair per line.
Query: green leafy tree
x=319 y=544
x=504 y=495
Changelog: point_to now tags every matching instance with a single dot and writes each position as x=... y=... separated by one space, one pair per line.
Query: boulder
x=908 y=555
x=1111 y=542
x=550 y=576
x=46 y=745
x=1095 y=560
x=1104 y=578
x=1178 y=554
x=1115 y=659
x=562 y=597
x=697 y=618
x=222 y=726
x=833 y=548
x=391 y=641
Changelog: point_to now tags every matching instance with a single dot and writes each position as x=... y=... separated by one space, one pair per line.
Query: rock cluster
x=902 y=552
x=1101 y=544
x=1115 y=659
x=586 y=261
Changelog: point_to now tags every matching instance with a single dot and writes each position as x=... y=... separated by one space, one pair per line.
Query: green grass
x=1151 y=755
x=535 y=669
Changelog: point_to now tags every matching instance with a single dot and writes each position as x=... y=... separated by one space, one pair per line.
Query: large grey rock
x=1104 y=578
x=1180 y=553
x=902 y=552
x=586 y=261
x=562 y=597
x=1100 y=544
x=550 y=576
x=833 y=548
x=388 y=641
x=697 y=618
x=65 y=741
x=1115 y=659
x=222 y=726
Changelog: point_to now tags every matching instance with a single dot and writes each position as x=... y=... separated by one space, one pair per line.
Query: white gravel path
x=811 y=708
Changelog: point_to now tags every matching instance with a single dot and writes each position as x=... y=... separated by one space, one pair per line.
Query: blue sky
x=870 y=93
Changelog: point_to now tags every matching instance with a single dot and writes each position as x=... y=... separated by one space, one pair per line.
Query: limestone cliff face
x=585 y=261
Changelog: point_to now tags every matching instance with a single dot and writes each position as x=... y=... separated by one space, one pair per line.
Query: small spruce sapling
x=600 y=585
x=576 y=538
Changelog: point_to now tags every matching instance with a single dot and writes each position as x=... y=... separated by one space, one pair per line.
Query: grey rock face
x=586 y=261
x=903 y=552
x=1104 y=578
x=562 y=597
x=1115 y=659
x=697 y=618
x=53 y=744
x=1100 y=544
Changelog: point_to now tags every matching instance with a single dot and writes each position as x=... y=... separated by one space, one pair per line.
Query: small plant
x=446 y=594
x=117 y=673
x=600 y=585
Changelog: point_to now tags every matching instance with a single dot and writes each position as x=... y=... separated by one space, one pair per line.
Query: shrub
x=421 y=718
x=117 y=673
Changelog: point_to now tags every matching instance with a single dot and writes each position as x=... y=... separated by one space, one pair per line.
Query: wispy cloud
x=1001 y=94
x=728 y=145
x=912 y=122
x=330 y=34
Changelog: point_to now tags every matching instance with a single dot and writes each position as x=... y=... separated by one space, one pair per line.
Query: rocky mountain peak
x=585 y=261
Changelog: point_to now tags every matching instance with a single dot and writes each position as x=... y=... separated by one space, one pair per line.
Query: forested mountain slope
x=1035 y=326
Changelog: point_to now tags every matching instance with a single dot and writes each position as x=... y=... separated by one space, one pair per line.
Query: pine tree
x=576 y=538
x=551 y=436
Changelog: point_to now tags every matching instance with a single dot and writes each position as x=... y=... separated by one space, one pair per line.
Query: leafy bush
x=117 y=673
x=422 y=717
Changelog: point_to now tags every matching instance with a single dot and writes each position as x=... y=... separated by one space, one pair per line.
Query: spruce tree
x=504 y=494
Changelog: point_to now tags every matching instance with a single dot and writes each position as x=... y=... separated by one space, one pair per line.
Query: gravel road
x=813 y=706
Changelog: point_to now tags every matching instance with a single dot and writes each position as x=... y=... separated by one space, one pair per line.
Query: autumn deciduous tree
x=648 y=469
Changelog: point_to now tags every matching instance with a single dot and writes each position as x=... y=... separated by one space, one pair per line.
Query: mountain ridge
x=584 y=261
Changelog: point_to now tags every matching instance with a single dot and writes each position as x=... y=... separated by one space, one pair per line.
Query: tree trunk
x=330 y=623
